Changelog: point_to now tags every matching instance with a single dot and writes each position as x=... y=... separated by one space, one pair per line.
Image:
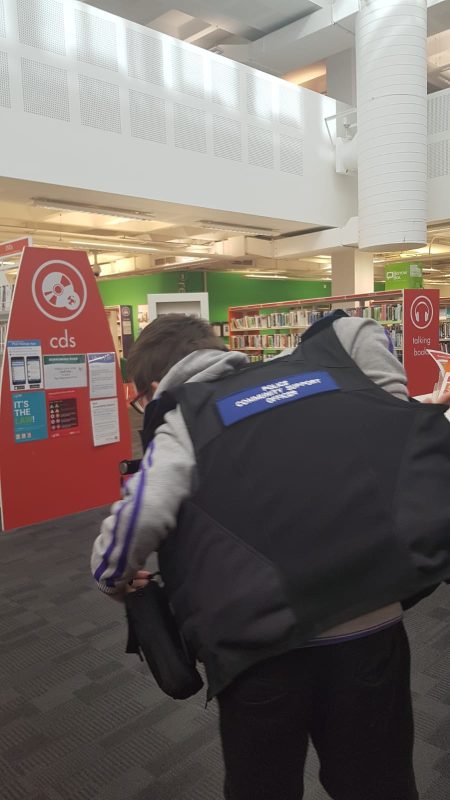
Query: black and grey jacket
x=141 y=522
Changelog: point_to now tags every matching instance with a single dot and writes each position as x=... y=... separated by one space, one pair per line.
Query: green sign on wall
x=403 y=276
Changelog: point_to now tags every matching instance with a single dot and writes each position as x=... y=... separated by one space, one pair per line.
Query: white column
x=391 y=41
x=351 y=272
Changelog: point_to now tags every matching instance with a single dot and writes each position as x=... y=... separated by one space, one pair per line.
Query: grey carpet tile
x=81 y=720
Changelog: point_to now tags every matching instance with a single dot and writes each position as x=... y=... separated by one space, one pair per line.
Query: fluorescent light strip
x=61 y=205
x=268 y=277
x=242 y=229
x=110 y=246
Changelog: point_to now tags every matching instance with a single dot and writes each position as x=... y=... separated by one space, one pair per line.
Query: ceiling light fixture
x=249 y=230
x=83 y=208
x=113 y=246
x=267 y=277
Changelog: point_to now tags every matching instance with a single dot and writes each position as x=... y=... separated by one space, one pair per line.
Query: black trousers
x=352 y=699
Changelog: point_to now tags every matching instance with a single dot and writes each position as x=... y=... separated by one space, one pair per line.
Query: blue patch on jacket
x=256 y=399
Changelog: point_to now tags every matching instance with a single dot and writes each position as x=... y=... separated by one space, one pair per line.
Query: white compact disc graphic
x=59 y=292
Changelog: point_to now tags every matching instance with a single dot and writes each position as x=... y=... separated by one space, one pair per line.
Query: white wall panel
x=45 y=90
x=2 y=19
x=145 y=56
x=227 y=138
x=439 y=156
x=115 y=107
x=148 y=117
x=41 y=25
x=226 y=84
x=96 y=40
x=5 y=94
x=99 y=104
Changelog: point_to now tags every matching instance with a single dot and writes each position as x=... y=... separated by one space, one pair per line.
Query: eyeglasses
x=137 y=403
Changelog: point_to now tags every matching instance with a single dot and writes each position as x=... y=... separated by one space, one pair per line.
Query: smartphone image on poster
x=18 y=371
x=34 y=370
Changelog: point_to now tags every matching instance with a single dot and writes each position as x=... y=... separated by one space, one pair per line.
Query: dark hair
x=167 y=340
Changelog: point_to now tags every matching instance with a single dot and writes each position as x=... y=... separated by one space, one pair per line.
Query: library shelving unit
x=444 y=324
x=115 y=326
x=263 y=331
x=6 y=294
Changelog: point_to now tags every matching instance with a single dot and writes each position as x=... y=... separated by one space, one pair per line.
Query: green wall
x=225 y=289
x=133 y=291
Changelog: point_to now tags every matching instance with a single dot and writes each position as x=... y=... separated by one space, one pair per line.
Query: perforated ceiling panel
x=45 y=90
x=2 y=19
x=99 y=104
x=259 y=96
x=290 y=104
x=96 y=40
x=226 y=85
x=41 y=25
x=187 y=71
x=227 y=138
x=148 y=117
x=438 y=159
x=438 y=113
x=190 y=128
x=5 y=95
x=145 y=57
x=291 y=155
x=260 y=147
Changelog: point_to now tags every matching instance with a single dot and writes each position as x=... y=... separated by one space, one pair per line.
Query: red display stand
x=63 y=415
x=420 y=332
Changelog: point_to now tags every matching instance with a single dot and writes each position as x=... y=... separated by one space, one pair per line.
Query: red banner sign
x=63 y=414
x=420 y=332
x=12 y=248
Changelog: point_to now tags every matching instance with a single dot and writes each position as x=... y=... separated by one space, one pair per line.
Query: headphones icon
x=427 y=311
x=422 y=312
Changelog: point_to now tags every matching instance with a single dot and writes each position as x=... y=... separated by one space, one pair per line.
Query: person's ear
x=154 y=386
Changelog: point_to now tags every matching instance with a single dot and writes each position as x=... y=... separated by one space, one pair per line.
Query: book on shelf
x=444 y=330
x=277 y=341
x=297 y=318
x=385 y=312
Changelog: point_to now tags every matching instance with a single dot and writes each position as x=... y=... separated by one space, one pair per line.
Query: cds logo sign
x=59 y=290
x=422 y=312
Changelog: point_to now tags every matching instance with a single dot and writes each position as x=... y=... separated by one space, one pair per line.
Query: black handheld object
x=152 y=631
x=130 y=466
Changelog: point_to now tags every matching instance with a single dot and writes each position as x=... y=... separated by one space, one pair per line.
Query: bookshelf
x=444 y=324
x=263 y=331
x=272 y=327
x=6 y=294
x=115 y=326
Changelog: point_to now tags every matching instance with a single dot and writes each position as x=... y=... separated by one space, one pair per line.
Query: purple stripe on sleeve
x=134 y=515
x=390 y=342
x=107 y=554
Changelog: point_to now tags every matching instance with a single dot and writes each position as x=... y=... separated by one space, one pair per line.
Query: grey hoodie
x=141 y=521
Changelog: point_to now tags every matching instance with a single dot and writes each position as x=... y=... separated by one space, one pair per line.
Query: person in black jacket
x=263 y=538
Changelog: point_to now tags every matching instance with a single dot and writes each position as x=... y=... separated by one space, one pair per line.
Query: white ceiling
x=235 y=28
x=211 y=22
x=176 y=231
x=176 y=238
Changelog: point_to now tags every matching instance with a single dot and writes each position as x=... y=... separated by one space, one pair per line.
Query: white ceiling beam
x=205 y=31
x=312 y=244
x=299 y=44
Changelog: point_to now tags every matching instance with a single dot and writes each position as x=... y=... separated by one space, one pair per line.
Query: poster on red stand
x=420 y=334
x=60 y=449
